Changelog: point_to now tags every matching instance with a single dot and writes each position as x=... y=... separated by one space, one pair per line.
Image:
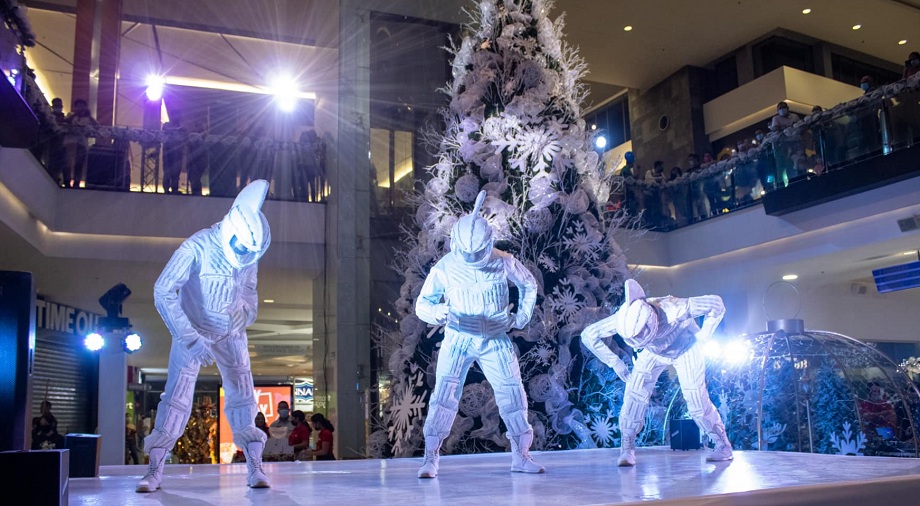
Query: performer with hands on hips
x=467 y=292
x=664 y=332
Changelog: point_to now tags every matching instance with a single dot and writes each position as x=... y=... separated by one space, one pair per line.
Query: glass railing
x=877 y=124
x=176 y=161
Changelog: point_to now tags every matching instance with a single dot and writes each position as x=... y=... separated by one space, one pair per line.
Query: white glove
x=622 y=371
x=510 y=319
x=200 y=351
x=441 y=313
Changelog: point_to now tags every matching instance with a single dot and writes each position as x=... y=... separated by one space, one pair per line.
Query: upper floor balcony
x=857 y=146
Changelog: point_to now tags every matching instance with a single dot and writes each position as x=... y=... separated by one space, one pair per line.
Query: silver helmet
x=245 y=234
x=471 y=237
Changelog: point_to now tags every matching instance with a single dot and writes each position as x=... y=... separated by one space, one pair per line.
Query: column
x=342 y=352
x=97 y=44
x=113 y=388
x=81 y=86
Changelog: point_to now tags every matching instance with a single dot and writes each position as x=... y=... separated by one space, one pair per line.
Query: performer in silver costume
x=467 y=292
x=207 y=297
x=666 y=333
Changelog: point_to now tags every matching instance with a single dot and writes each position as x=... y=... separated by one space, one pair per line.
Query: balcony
x=855 y=147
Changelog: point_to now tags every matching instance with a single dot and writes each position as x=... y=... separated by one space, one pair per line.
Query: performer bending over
x=467 y=292
x=207 y=297
x=665 y=332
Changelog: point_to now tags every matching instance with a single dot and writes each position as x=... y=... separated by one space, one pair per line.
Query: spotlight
x=285 y=91
x=154 y=90
x=712 y=348
x=736 y=352
x=132 y=342
x=600 y=142
x=94 y=342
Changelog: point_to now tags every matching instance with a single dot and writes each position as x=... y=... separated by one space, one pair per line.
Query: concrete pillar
x=113 y=387
x=96 y=49
x=342 y=353
x=109 y=52
x=82 y=85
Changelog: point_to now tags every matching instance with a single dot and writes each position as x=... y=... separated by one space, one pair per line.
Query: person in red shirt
x=324 y=439
x=300 y=436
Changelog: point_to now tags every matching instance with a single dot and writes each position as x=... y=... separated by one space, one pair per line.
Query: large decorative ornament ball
x=492 y=167
x=538 y=220
x=436 y=188
x=467 y=188
x=541 y=192
x=540 y=388
x=577 y=202
x=475 y=398
x=423 y=214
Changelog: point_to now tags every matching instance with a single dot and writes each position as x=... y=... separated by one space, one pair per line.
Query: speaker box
x=84 y=454
x=685 y=435
x=36 y=477
x=107 y=167
x=17 y=349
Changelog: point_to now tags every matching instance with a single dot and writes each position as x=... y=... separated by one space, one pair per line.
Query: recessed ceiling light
x=269 y=301
x=902 y=42
x=857 y=27
x=790 y=277
x=627 y=28
x=806 y=11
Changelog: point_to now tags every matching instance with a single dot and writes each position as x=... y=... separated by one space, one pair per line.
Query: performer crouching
x=664 y=331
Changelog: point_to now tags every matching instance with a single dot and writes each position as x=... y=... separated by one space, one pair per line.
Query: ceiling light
x=627 y=28
x=908 y=253
x=857 y=27
x=790 y=277
x=806 y=11
x=269 y=301
x=154 y=89
x=902 y=42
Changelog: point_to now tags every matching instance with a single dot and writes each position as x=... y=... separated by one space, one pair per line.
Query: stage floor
x=575 y=477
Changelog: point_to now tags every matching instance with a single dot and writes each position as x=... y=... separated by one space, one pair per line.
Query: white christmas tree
x=514 y=129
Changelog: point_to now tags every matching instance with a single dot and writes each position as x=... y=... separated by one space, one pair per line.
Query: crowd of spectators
x=791 y=148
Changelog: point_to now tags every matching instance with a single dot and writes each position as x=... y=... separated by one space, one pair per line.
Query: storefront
x=64 y=372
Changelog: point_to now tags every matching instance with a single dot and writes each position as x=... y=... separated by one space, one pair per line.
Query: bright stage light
x=154 y=88
x=600 y=142
x=712 y=349
x=94 y=342
x=132 y=343
x=285 y=91
x=736 y=352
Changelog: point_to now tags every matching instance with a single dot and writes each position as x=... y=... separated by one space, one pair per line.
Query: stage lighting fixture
x=712 y=348
x=154 y=88
x=600 y=142
x=285 y=91
x=736 y=352
x=132 y=342
x=94 y=342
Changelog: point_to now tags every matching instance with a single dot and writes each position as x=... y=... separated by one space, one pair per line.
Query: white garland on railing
x=908 y=85
x=16 y=17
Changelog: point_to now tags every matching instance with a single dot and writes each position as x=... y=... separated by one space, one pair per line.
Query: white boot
x=627 y=451
x=723 y=448
x=253 y=453
x=521 y=461
x=429 y=467
x=151 y=481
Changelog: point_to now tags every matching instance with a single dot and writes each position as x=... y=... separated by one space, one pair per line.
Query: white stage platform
x=576 y=477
